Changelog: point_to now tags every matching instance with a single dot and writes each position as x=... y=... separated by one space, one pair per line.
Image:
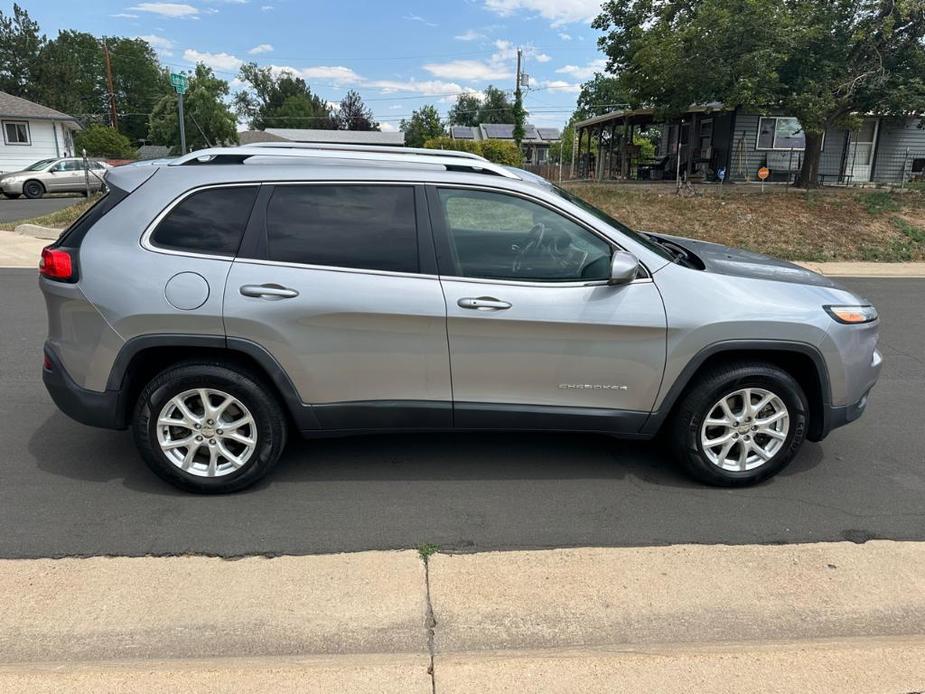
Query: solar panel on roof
x=462 y=132
x=549 y=133
x=499 y=131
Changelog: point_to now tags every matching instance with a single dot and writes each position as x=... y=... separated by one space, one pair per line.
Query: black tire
x=11 y=196
x=270 y=424
x=712 y=386
x=33 y=189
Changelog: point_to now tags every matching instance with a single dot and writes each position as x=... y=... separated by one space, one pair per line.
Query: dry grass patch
x=796 y=225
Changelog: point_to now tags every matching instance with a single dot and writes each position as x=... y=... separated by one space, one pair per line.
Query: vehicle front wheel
x=740 y=424
x=209 y=429
x=33 y=189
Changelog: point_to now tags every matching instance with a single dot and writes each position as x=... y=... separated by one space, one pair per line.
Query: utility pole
x=182 y=124
x=518 y=105
x=113 y=119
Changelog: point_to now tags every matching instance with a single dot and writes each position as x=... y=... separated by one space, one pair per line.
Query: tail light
x=57 y=264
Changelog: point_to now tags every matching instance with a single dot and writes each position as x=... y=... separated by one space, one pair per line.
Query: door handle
x=483 y=303
x=268 y=291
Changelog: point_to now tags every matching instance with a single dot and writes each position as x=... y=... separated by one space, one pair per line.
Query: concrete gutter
x=796 y=618
x=853 y=269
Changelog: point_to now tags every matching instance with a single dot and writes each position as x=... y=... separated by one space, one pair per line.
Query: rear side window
x=209 y=221
x=367 y=227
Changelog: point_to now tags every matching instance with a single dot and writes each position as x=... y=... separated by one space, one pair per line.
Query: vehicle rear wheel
x=209 y=429
x=33 y=189
x=740 y=424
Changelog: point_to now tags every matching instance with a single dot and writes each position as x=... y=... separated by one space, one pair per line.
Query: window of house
x=780 y=132
x=16 y=132
x=498 y=236
x=210 y=221
x=367 y=227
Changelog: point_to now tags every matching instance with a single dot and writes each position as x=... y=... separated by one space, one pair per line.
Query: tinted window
x=364 y=227
x=496 y=236
x=211 y=221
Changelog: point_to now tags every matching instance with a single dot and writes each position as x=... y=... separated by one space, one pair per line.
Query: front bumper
x=838 y=416
x=98 y=409
x=11 y=188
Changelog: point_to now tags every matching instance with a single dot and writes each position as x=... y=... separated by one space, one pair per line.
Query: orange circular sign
x=764 y=172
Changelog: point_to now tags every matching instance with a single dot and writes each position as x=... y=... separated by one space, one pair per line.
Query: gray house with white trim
x=710 y=139
x=32 y=132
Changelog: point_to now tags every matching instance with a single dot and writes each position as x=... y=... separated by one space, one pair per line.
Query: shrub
x=103 y=141
x=496 y=151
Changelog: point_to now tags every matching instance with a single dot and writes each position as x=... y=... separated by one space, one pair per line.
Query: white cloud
x=416 y=18
x=217 y=61
x=561 y=86
x=497 y=67
x=167 y=9
x=388 y=127
x=336 y=74
x=558 y=12
x=584 y=72
x=266 y=8
x=125 y=15
x=542 y=58
x=564 y=36
x=161 y=44
x=470 y=35
x=262 y=48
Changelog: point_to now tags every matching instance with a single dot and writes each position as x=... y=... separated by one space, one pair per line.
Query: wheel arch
x=143 y=357
x=801 y=360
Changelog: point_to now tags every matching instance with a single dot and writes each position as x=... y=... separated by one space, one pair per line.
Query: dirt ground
x=818 y=225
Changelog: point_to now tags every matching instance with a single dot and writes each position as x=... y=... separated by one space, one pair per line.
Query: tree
x=20 y=45
x=280 y=101
x=465 y=111
x=423 y=125
x=822 y=62
x=520 y=117
x=353 y=114
x=139 y=82
x=495 y=107
x=599 y=95
x=208 y=120
x=103 y=141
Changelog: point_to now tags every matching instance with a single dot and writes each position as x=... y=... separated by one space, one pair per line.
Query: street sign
x=179 y=82
x=763 y=172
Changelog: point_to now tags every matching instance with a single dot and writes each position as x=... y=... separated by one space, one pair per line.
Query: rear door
x=537 y=337
x=332 y=280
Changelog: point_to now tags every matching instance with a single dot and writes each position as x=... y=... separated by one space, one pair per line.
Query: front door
x=336 y=293
x=537 y=337
x=861 y=151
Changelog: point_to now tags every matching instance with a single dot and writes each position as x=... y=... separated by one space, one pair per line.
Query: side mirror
x=54 y=169
x=623 y=268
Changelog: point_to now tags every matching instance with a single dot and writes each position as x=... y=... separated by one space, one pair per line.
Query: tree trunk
x=809 y=172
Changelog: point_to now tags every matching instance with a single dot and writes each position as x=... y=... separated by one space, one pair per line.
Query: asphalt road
x=66 y=489
x=23 y=208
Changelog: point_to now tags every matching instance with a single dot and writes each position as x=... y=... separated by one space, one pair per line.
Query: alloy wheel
x=745 y=429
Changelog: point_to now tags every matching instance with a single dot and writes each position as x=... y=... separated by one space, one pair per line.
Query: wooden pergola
x=618 y=126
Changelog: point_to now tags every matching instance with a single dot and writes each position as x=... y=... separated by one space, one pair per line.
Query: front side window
x=363 y=227
x=498 y=236
x=16 y=132
x=209 y=221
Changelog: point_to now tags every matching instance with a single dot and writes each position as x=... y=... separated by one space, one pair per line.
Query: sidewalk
x=825 y=617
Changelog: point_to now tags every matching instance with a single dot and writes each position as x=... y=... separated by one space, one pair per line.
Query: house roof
x=249 y=137
x=16 y=107
x=343 y=137
x=646 y=113
x=463 y=132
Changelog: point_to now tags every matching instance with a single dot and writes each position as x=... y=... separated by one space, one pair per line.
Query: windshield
x=39 y=165
x=619 y=226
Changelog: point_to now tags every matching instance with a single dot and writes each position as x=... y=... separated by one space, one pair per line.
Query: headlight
x=11 y=179
x=852 y=314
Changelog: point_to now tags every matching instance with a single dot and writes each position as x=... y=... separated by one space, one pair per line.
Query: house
x=341 y=137
x=32 y=132
x=535 y=143
x=710 y=139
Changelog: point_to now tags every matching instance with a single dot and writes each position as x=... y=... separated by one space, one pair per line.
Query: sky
x=398 y=55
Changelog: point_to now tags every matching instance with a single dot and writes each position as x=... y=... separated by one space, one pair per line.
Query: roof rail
x=450 y=160
x=383 y=149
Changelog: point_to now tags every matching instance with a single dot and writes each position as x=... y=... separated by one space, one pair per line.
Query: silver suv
x=237 y=294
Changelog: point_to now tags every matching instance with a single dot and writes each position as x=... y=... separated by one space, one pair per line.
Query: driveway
x=66 y=489
x=23 y=208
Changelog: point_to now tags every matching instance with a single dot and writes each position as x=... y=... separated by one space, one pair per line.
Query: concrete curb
x=38 y=232
x=878 y=270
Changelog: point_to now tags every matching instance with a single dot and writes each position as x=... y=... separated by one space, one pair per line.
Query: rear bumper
x=97 y=409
